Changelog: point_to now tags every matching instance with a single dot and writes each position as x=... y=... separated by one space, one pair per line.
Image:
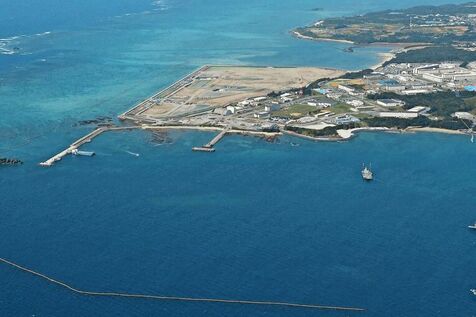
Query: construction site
x=212 y=87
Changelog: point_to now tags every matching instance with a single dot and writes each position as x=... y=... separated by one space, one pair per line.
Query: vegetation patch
x=442 y=103
x=294 y=111
x=422 y=24
x=434 y=54
x=399 y=123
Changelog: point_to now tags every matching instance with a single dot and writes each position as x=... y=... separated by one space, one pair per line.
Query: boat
x=472 y=226
x=132 y=153
x=367 y=173
x=82 y=153
x=295 y=144
x=473 y=291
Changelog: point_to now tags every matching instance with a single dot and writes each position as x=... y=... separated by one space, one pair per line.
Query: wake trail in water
x=132 y=153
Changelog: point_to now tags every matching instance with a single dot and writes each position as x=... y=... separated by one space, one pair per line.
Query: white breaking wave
x=9 y=45
x=160 y=5
x=43 y=34
x=5 y=47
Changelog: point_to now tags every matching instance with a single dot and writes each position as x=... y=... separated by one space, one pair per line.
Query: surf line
x=176 y=298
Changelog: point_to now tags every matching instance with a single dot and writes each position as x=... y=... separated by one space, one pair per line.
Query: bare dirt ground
x=218 y=86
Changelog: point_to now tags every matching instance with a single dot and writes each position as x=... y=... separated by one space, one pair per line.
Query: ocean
x=253 y=221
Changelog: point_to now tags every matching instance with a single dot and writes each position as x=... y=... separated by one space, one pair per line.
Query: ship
x=82 y=153
x=473 y=291
x=367 y=173
x=472 y=226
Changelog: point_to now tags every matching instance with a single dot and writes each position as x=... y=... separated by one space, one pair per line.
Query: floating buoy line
x=176 y=298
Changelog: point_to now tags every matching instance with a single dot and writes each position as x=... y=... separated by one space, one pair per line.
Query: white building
x=355 y=103
x=402 y=115
x=346 y=89
x=272 y=107
x=345 y=119
x=416 y=91
x=262 y=115
x=464 y=116
x=450 y=75
x=419 y=109
x=390 y=102
x=222 y=111
x=394 y=87
x=245 y=103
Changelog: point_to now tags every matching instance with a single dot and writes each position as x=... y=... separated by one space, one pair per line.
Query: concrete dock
x=217 y=139
x=74 y=146
x=209 y=147
x=203 y=149
x=78 y=143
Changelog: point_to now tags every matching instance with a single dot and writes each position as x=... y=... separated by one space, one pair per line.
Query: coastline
x=434 y=130
x=383 y=57
x=213 y=129
x=304 y=37
x=346 y=135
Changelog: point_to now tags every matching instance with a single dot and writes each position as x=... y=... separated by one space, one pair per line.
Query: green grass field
x=294 y=111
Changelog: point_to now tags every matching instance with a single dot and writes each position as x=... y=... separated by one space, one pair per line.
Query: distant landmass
x=445 y=24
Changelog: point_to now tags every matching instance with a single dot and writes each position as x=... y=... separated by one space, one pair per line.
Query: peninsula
x=446 y=24
x=427 y=87
x=427 y=83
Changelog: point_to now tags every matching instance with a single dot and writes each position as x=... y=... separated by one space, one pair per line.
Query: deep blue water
x=252 y=221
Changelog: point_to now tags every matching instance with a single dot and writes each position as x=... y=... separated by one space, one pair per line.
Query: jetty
x=81 y=141
x=209 y=147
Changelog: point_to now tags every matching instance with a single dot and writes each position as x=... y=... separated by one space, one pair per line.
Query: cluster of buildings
x=441 y=20
x=344 y=101
x=413 y=78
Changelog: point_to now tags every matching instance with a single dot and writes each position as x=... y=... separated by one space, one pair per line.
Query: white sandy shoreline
x=345 y=135
x=301 y=36
x=435 y=130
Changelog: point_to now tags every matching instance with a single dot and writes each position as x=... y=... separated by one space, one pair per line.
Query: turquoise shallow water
x=254 y=220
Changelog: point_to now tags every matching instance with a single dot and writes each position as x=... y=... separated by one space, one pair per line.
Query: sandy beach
x=299 y=35
x=383 y=58
x=434 y=130
x=347 y=134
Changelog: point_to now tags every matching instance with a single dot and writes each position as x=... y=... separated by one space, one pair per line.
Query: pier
x=209 y=147
x=78 y=143
x=217 y=139
x=74 y=146
x=203 y=149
